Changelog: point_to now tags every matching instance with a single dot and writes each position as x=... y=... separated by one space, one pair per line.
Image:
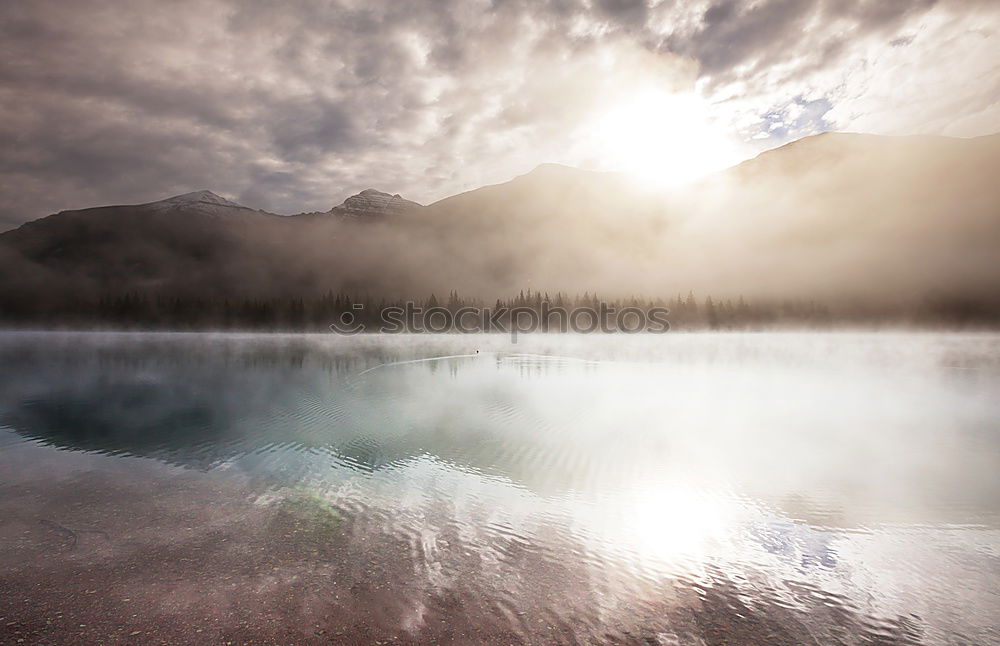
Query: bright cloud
x=294 y=105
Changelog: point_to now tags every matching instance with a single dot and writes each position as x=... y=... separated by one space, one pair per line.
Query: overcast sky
x=294 y=105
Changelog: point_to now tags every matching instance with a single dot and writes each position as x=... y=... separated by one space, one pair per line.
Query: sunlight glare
x=663 y=139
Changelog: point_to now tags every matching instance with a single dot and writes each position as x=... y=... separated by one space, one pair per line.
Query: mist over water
x=667 y=489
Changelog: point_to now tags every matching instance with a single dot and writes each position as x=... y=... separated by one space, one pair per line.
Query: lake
x=716 y=488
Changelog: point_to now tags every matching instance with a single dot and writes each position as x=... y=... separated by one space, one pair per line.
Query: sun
x=662 y=139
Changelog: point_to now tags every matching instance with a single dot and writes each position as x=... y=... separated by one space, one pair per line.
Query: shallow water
x=676 y=489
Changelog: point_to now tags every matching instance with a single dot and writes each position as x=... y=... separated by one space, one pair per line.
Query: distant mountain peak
x=551 y=170
x=371 y=202
x=553 y=167
x=202 y=196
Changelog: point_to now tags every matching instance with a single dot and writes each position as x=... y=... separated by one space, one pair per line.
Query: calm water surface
x=678 y=489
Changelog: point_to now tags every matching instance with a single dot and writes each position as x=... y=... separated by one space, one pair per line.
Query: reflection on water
x=769 y=488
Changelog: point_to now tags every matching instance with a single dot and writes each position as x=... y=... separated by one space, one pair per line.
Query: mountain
x=850 y=216
x=203 y=201
x=184 y=243
x=842 y=218
x=372 y=203
x=369 y=205
x=554 y=228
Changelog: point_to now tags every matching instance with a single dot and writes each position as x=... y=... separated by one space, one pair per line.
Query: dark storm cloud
x=731 y=36
x=294 y=105
x=627 y=12
x=736 y=34
x=309 y=130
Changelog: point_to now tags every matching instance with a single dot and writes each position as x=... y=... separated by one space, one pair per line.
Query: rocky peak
x=201 y=197
x=370 y=202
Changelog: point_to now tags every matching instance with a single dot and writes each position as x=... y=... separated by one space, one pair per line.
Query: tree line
x=134 y=310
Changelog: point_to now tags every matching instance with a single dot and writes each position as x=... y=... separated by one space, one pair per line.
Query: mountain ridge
x=544 y=169
x=833 y=217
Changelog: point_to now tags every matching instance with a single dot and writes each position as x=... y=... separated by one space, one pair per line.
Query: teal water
x=685 y=488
